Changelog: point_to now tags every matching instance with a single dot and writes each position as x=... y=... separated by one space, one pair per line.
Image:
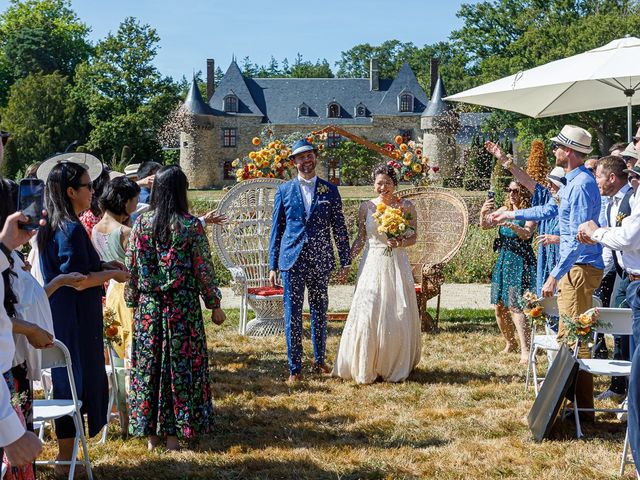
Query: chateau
x=374 y=108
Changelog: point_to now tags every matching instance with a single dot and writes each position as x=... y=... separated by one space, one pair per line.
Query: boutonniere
x=621 y=216
x=322 y=188
x=557 y=199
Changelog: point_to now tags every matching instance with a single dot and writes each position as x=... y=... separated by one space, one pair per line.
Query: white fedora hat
x=575 y=138
x=630 y=151
x=91 y=164
x=557 y=177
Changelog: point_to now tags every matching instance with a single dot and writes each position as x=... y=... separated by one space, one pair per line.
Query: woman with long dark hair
x=77 y=314
x=170 y=265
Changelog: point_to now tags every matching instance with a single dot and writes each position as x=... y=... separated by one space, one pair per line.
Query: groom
x=305 y=212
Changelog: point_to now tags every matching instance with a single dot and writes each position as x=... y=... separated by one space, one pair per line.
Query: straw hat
x=575 y=138
x=557 y=177
x=630 y=151
x=91 y=164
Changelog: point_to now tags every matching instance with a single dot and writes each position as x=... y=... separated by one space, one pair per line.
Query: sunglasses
x=513 y=190
x=555 y=145
x=87 y=185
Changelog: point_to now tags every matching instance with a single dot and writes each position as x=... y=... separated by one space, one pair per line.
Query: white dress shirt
x=307 y=188
x=625 y=238
x=11 y=428
x=615 y=202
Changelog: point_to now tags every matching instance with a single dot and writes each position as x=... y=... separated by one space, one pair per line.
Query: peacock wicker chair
x=243 y=246
x=442 y=225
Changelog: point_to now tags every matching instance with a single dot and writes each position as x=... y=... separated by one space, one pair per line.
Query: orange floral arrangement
x=532 y=309
x=582 y=328
x=409 y=162
x=112 y=326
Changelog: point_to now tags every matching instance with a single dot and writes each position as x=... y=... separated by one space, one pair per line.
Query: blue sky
x=193 y=30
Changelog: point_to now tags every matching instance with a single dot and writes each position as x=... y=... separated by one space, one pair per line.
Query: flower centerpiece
x=393 y=222
x=581 y=329
x=112 y=326
x=409 y=162
x=530 y=304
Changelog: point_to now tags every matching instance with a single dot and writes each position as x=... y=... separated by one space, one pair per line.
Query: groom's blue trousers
x=294 y=281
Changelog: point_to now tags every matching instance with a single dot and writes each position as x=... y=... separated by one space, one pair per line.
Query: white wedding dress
x=381 y=337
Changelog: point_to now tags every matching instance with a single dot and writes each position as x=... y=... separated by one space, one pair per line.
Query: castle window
x=361 y=110
x=333 y=139
x=231 y=103
x=333 y=110
x=303 y=111
x=407 y=135
x=229 y=137
x=406 y=102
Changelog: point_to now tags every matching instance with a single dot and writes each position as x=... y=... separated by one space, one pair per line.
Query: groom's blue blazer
x=291 y=229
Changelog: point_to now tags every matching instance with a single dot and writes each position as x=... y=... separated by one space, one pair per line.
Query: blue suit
x=301 y=249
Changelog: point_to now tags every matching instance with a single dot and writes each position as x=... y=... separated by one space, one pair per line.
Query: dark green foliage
x=12 y=164
x=479 y=164
x=356 y=162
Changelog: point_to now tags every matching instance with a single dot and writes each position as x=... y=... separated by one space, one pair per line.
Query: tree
x=125 y=95
x=356 y=162
x=502 y=37
x=43 y=117
x=42 y=36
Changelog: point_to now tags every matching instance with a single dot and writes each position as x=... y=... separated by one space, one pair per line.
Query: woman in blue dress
x=514 y=272
x=77 y=312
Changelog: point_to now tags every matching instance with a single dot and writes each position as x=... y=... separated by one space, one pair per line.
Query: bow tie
x=307 y=183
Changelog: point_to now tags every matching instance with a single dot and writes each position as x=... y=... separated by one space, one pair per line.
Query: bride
x=381 y=338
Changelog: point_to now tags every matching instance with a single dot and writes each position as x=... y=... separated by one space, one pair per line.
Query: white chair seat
x=547 y=342
x=52 y=409
x=614 y=368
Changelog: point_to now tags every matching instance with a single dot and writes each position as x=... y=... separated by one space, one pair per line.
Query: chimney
x=374 y=75
x=433 y=74
x=211 y=86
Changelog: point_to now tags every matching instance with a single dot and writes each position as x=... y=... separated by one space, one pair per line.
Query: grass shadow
x=457 y=377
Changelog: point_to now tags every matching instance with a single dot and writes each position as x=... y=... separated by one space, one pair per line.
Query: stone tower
x=197 y=158
x=439 y=124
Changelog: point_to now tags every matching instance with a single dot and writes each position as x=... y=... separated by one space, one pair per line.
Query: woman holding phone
x=515 y=269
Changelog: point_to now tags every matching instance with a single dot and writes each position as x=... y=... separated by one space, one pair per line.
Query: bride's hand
x=394 y=242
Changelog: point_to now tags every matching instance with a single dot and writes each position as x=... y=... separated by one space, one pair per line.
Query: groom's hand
x=272 y=278
x=343 y=274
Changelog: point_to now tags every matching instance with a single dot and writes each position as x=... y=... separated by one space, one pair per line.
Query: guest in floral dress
x=515 y=270
x=170 y=265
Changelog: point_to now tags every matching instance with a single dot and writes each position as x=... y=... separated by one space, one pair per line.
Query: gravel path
x=454 y=295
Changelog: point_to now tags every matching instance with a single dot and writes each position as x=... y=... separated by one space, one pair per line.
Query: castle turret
x=439 y=123
x=196 y=140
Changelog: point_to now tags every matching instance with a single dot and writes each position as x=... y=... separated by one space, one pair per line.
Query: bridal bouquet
x=393 y=222
x=581 y=329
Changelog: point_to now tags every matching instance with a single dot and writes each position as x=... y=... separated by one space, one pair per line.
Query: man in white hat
x=580 y=267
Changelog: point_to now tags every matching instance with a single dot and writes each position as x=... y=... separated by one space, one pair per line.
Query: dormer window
x=333 y=110
x=303 y=110
x=405 y=102
x=361 y=110
x=231 y=103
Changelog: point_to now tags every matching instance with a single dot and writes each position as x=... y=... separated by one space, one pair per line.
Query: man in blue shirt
x=580 y=268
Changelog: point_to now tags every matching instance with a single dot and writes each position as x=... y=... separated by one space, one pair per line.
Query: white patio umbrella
x=604 y=77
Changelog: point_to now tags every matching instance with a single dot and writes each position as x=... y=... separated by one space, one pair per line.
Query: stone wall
x=204 y=157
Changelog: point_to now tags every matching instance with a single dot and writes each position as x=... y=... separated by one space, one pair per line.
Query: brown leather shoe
x=295 y=378
x=321 y=368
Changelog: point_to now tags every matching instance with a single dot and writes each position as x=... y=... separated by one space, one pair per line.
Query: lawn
x=461 y=414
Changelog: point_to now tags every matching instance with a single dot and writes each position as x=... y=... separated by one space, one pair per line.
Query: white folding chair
x=615 y=321
x=51 y=409
x=113 y=393
x=548 y=341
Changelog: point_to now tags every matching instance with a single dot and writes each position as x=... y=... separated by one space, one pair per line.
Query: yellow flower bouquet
x=532 y=309
x=393 y=222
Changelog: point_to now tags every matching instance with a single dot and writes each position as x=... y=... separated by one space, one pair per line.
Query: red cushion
x=266 y=291
x=418 y=288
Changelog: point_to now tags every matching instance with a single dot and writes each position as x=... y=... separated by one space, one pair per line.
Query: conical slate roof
x=437 y=106
x=194 y=103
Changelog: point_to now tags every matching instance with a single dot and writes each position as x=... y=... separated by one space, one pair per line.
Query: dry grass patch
x=462 y=414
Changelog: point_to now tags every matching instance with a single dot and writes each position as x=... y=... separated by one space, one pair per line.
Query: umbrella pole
x=629 y=93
